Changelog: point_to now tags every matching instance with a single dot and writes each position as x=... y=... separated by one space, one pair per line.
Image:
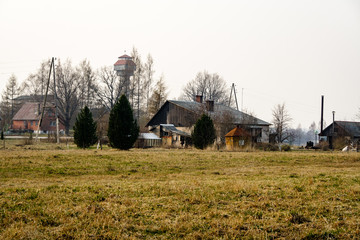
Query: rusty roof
x=124 y=62
x=237 y=132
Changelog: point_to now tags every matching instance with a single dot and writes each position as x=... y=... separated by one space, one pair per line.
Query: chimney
x=199 y=98
x=210 y=105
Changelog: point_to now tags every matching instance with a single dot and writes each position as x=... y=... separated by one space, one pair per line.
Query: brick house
x=27 y=118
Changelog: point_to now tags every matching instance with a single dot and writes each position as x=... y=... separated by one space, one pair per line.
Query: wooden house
x=27 y=118
x=182 y=115
x=349 y=131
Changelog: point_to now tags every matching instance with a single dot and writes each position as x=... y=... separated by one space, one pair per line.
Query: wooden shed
x=237 y=138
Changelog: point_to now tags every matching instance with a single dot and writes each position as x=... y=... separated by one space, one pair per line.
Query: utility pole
x=233 y=89
x=56 y=107
x=44 y=103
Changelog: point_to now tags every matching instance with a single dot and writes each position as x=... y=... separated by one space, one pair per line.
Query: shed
x=147 y=140
x=237 y=138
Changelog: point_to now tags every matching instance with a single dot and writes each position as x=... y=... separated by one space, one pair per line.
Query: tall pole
x=322 y=114
x=44 y=103
x=56 y=108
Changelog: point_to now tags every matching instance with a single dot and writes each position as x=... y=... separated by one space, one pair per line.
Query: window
x=24 y=123
x=241 y=142
x=31 y=123
x=52 y=123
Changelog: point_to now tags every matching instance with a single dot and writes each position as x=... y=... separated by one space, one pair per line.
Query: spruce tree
x=85 y=129
x=204 y=132
x=123 y=129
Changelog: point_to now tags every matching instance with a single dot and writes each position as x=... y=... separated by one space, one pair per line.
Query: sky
x=275 y=52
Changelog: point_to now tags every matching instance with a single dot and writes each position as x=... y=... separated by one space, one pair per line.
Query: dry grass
x=162 y=194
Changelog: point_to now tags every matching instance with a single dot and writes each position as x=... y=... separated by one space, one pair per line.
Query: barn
x=182 y=115
x=340 y=131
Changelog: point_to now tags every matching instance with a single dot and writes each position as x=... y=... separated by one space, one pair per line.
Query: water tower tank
x=125 y=66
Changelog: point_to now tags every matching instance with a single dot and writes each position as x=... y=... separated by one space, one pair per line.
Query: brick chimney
x=210 y=105
x=199 y=98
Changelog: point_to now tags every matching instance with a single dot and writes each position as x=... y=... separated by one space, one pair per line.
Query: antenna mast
x=233 y=89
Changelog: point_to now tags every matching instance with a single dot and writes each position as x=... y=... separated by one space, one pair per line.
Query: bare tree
x=68 y=81
x=158 y=96
x=136 y=88
x=281 y=121
x=35 y=84
x=8 y=105
x=148 y=72
x=110 y=87
x=210 y=86
x=87 y=85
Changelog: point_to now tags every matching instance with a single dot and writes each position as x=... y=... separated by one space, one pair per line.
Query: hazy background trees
x=210 y=86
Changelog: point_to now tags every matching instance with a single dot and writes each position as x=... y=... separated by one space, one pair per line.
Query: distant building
x=237 y=138
x=27 y=118
x=345 y=130
x=176 y=119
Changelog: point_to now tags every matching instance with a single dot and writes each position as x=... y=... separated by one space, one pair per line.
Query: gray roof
x=352 y=128
x=220 y=109
x=172 y=128
x=148 y=136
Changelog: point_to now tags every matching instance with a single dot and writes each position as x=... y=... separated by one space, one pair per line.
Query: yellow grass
x=166 y=194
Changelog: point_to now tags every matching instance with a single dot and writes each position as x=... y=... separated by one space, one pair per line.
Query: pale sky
x=277 y=51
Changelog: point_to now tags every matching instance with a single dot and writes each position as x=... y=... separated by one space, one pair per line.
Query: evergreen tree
x=204 y=132
x=123 y=129
x=85 y=129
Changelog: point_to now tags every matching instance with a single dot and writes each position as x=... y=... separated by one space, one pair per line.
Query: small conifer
x=123 y=129
x=204 y=132
x=85 y=129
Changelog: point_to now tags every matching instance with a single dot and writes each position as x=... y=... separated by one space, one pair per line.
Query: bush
x=123 y=129
x=267 y=147
x=85 y=129
x=323 y=145
x=204 y=132
x=286 y=148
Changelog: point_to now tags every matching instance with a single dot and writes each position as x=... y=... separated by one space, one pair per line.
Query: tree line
x=81 y=85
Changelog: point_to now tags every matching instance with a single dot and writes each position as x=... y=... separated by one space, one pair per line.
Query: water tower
x=125 y=68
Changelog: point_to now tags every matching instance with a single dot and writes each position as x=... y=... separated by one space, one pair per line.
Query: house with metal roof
x=182 y=115
x=349 y=131
x=27 y=118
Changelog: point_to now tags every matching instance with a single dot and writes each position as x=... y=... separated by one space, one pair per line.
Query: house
x=341 y=131
x=182 y=115
x=237 y=138
x=27 y=118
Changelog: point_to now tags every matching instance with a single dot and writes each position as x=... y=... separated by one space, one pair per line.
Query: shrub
x=267 y=147
x=123 y=129
x=204 y=132
x=85 y=129
x=286 y=148
x=323 y=145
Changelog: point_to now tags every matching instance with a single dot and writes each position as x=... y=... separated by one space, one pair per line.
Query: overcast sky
x=277 y=51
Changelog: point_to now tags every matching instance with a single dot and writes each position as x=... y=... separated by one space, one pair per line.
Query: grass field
x=171 y=194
